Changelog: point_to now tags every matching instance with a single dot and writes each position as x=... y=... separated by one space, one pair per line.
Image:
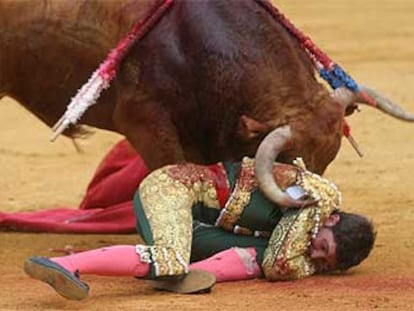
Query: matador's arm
x=286 y=257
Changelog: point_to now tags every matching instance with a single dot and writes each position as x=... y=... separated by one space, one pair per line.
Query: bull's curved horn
x=386 y=105
x=348 y=98
x=344 y=96
x=266 y=154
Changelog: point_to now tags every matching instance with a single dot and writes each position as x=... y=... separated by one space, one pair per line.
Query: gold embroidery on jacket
x=200 y=180
x=286 y=256
x=240 y=197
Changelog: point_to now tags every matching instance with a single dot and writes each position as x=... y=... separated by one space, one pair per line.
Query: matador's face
x=323 y=247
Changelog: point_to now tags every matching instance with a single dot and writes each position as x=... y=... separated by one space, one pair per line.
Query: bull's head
x=313 y=143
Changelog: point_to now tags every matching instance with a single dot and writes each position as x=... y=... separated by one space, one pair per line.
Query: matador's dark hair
x=354 y=236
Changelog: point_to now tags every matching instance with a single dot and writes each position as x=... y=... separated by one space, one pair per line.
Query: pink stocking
x=231 y=265
x=120 y=260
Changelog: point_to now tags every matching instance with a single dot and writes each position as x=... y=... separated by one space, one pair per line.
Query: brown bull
x=210 y=82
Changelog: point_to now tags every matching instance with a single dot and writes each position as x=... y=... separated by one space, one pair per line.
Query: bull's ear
x=250 y=128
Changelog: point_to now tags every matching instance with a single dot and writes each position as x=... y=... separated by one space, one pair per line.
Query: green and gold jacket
x=228 y=208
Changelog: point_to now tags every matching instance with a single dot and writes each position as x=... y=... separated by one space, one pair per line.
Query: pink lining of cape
x=107 y=205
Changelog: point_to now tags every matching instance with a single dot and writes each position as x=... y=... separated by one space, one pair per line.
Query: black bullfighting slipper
x=63 y=281
x=194 y=282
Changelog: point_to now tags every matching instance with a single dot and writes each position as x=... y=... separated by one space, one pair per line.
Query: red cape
x=107 y=205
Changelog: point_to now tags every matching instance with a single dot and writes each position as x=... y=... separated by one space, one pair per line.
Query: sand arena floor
x=374 y=41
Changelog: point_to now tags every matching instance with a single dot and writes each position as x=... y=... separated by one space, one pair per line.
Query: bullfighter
x=217 y=217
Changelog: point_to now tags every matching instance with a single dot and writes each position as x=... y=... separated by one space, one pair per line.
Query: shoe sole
x=61 y=281
x=194 y=282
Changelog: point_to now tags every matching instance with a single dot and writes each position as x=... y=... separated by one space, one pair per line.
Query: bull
x=213 y=81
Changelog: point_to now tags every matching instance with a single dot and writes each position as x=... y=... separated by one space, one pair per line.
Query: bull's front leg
x=149 y=129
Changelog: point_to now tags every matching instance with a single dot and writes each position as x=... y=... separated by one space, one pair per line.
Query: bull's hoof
x=195 y=282
x=63 y=281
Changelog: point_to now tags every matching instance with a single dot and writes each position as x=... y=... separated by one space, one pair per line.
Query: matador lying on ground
x=179 y=215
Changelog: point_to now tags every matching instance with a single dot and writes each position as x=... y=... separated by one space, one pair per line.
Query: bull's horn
x=266 y=154
x=348 y=98
x=386 y=105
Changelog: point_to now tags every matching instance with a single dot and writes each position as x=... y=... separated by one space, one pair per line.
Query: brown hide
x=207 y=83
x=48 y=49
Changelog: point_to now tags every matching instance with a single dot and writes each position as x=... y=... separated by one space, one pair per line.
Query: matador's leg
x=167 y=227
